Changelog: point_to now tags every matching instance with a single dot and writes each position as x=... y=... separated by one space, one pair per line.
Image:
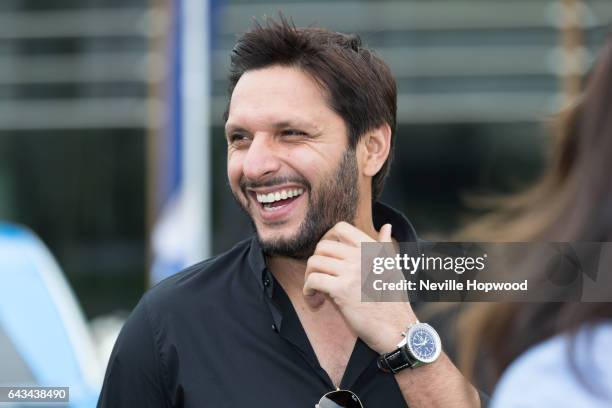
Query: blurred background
x=111 y=133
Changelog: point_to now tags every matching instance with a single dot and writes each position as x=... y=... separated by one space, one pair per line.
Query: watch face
x=424 y=343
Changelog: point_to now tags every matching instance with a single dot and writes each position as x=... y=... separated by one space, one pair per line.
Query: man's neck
x=288 y=272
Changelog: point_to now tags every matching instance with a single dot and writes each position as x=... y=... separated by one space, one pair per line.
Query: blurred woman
x=553 y=354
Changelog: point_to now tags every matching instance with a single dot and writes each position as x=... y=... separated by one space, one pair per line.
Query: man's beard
x=336 y=200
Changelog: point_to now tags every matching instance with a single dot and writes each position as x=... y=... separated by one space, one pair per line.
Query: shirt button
x=266 y=281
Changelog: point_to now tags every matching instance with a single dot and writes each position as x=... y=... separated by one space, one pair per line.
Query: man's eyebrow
x=233 y=128
x=284 y=124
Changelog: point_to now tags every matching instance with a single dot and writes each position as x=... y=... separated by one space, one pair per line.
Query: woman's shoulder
x=561 y=372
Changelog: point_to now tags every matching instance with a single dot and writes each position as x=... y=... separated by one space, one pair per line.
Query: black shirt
x=223 y=333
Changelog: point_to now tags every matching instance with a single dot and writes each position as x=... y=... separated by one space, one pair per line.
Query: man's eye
x=238 y=138
x=293 y=132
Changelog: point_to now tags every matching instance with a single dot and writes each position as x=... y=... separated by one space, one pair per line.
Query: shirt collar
x=257 y=262
x=402 y=231
x=382 y=214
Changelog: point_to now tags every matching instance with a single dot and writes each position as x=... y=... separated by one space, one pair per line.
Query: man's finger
x=347 y=233
x=384 y=235
x=324 y=264
x=334 y=249
x=317 y=288
x=316 y=300
x=319 y=282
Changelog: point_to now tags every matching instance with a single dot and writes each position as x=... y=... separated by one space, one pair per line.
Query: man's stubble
x=334 y=201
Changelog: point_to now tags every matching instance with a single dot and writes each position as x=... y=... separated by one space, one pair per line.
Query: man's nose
x=261 y=159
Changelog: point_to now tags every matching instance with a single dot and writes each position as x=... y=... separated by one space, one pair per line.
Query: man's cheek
x=233 y=178
x=234 y=170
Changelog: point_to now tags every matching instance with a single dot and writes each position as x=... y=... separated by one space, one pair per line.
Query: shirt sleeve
x=133 y=375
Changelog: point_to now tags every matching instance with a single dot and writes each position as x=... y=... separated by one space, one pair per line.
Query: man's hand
x=334 y=272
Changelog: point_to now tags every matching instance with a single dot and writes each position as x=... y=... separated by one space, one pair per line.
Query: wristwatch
x=421 y=345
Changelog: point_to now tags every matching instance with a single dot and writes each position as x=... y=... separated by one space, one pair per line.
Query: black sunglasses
x=339 y=399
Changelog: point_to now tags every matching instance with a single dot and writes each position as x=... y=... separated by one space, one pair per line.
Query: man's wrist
x=393 y=334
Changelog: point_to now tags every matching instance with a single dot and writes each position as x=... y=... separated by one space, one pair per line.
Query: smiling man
x=278 y=320
x=289 y=161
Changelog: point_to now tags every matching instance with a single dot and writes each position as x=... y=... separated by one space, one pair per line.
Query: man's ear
x=376 y=145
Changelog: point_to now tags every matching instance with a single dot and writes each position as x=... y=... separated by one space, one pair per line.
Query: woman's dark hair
x=571 y=202
x=359 y=85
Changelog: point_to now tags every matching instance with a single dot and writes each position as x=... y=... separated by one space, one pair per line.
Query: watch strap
x=396 y=361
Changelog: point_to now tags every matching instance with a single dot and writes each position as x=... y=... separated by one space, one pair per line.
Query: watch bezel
x=437 y=341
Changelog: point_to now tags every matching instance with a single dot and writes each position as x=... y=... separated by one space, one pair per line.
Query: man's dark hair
x=358 y=83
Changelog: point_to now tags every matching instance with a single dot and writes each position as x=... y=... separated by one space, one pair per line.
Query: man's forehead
x=310 y=119
x=279 y=80
x=277 y=97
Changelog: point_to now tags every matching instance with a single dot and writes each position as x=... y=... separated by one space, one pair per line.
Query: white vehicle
x=44 y=338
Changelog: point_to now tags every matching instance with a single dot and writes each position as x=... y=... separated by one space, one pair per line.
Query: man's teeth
x=279 y=195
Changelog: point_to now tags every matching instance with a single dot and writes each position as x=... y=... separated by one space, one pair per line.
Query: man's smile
x=276 y=203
